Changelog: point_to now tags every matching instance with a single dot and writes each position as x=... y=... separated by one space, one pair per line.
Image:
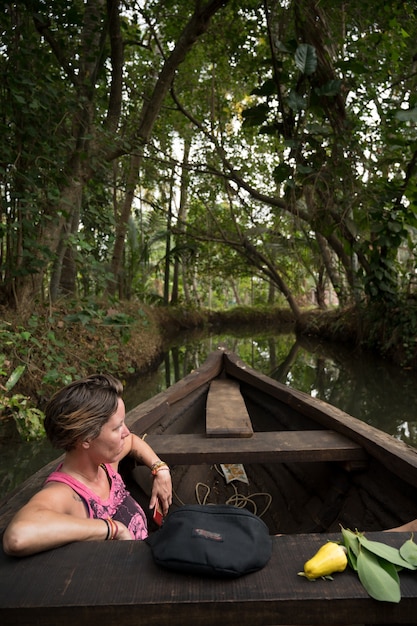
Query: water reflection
x=355 y=381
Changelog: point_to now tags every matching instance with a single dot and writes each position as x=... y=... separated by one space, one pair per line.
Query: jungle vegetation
x=210 y=153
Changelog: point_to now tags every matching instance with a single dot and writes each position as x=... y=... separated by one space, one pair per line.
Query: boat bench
x=117 y=582
x=262 y=447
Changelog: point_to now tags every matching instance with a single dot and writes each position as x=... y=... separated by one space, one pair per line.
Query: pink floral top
x=120 y=505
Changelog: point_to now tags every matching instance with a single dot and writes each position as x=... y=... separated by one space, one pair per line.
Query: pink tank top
x=120 y=505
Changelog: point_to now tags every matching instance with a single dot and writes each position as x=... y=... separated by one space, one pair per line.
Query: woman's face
x=108 y=446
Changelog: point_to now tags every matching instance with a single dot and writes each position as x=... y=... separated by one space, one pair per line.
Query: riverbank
x=55 y=344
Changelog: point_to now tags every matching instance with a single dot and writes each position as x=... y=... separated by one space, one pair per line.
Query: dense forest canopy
x=208 y=151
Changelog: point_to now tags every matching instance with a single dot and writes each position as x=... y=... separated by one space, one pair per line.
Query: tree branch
x=116 y=56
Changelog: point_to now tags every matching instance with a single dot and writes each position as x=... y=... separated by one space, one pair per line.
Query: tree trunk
x=30 y=286
x=235 y=291
x=63 y=277
x=68 y=282
x=168 y=239
x=197 y=26
x=58 y=217
x=335 y=278
x=182 y=217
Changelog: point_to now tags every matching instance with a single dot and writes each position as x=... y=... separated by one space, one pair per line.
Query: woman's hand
x=123 y=533
x=161 y=490
x=162 y=486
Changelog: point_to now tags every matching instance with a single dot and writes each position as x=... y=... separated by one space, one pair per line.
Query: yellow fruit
x=329 y=559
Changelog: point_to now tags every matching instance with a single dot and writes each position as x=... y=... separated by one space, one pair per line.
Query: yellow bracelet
x=156 y=467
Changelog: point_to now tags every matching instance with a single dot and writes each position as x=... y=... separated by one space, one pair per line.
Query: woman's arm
x=162 y=486
x=408 y=527
x=52 y=518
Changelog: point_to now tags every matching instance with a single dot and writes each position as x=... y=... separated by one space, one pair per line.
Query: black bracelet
x=108 y=528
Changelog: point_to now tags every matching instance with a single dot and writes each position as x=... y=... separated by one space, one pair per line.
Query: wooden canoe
x=321 y=467
x=310 y=468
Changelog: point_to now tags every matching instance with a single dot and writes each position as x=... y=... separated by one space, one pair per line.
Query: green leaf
x=352 y=66
x=379 y=578
x=304 y=169
x=306 y=58
x=408 y=552
x=267 y=89
x=296 y=102
x=14 y=377
x=351 y=543
x=351 y=540
x=352 y=559
x=282 y=172
x=332 y=88
x=384 y=551
x=395 y=227
x=118 y=319
x=256 y=115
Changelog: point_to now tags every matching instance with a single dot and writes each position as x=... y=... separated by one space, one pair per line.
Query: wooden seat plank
x=117 y=582
x=263 y=447
x=226 y=412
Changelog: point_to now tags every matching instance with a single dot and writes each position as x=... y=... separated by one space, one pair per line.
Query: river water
x=367 y=387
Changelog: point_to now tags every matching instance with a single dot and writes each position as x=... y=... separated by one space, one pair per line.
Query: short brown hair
x=78 y=411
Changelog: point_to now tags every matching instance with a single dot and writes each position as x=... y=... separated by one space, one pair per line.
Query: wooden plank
x=117 y=582
x=226 y=413
x=272 y=447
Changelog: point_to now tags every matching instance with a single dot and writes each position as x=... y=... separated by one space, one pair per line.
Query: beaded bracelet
x=108 y=529
x=159 y=465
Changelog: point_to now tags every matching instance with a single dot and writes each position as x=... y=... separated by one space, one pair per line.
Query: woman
x=85 y=499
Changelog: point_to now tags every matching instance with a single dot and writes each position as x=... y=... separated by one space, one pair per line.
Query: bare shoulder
x=55 y=496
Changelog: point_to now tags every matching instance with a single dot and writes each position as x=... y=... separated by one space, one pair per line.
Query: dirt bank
x=56 y=344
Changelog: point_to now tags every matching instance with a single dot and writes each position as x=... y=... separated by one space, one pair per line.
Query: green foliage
x=28 y=419
x=29 y=343
x=301 y=166
x=306 y=58
x=391 y=329
x=378 y=564
x=93 y=316
x=44 y=348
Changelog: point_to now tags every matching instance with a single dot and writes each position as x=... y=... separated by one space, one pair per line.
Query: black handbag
x=214 y=540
